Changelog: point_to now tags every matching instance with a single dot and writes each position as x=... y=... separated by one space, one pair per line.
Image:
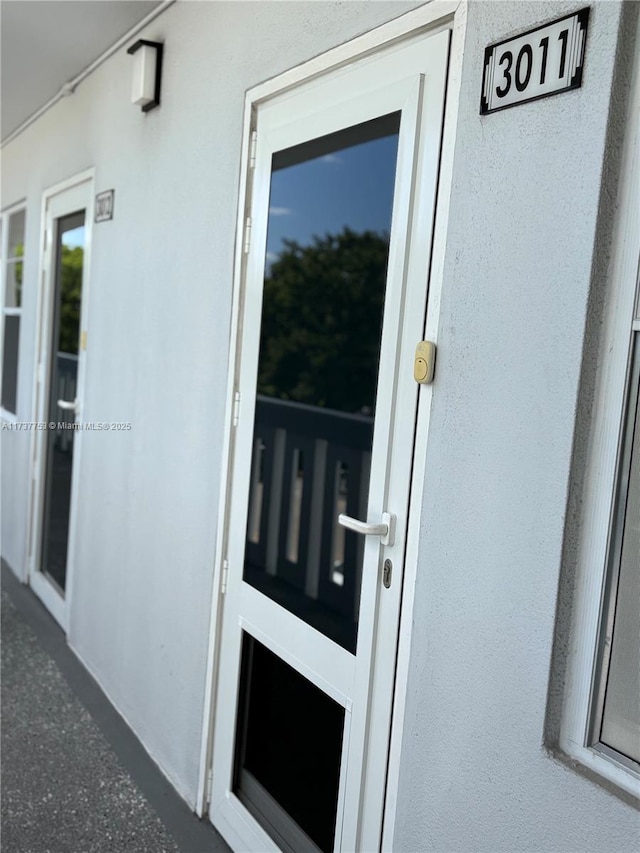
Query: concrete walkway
x=74 y=777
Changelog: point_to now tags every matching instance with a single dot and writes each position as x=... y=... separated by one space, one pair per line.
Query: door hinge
x=247 y=235
x=236 y=408
x=253 y=144
x=225 y=577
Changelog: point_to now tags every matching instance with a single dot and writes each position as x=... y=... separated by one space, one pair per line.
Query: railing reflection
x=309 y=464
x=64 y=388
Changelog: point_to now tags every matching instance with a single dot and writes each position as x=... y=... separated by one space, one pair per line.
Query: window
x=12 y=242
x=601 y=714
x=616 y=715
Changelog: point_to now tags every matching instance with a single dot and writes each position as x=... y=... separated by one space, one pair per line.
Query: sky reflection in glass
x=348 y=187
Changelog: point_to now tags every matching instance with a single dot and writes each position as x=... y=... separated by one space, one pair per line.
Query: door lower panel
x=288 y=749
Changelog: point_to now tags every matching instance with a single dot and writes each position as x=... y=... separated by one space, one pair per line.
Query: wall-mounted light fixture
x=147 y=72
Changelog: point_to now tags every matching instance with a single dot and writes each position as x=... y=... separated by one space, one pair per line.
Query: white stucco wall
x=520 y=251
x=14 y=451
x=160 y=297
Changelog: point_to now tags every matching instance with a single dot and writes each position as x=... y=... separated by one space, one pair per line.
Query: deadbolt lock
x=424 y=363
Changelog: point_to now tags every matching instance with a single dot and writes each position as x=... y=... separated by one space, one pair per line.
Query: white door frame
x=436 y=16
x=73 y=194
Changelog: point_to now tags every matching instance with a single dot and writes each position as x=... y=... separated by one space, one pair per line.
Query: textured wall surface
x=14 y=452
x=520 y=250
x=160 y=300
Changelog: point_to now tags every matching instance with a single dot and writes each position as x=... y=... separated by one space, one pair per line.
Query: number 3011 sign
x=541 y=62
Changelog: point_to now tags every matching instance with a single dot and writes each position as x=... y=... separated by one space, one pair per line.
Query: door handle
x=67 y=406
x=386 y=529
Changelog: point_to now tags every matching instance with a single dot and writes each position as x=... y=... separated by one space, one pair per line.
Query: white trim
x=422 y=429
x=411 y=24
x=51 y=597
x=14 y=206
x=600 y=480
x=331 y=671
x=71 y=85
x=5 y=216
x=431 y=17
x=206 y=745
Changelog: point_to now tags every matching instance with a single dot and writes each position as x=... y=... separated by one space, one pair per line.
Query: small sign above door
x=104 y=206
x=541 y=62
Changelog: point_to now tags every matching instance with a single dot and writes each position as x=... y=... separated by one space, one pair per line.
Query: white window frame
x=19 y=207
x=607 y=434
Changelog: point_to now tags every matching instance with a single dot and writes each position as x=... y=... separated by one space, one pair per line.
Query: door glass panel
x=62 y=386
x=325 y=273
x=288 y=747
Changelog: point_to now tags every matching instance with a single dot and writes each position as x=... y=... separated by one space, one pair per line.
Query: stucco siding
x=525 y=201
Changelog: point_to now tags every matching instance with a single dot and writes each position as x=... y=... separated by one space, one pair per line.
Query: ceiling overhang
x=45 y=44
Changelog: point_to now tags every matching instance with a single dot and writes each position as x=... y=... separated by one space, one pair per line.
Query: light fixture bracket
x=159 y=48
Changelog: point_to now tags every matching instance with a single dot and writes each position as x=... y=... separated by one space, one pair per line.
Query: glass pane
x=288 y=747
x=63 y=375
x=13 y=292
x=11 y=342
x=325 y=274
x=15 y=247
x=621 y=716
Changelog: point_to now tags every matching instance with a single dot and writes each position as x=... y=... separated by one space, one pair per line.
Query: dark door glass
x=325 y=274
x=288 y=748
x=62 y=386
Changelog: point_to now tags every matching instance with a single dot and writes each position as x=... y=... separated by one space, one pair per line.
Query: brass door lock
x=425 y=362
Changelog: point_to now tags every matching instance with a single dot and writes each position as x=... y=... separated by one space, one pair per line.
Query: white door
x=334 y=296
x=60 y=379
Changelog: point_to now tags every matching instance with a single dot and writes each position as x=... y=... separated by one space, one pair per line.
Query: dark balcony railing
x=64 y=388
x=309 y=464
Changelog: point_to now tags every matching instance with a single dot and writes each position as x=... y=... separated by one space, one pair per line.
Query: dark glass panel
x=10 y=362
x=288 y=748
x=13 y=290
x=63 y=377
x=325 y=276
